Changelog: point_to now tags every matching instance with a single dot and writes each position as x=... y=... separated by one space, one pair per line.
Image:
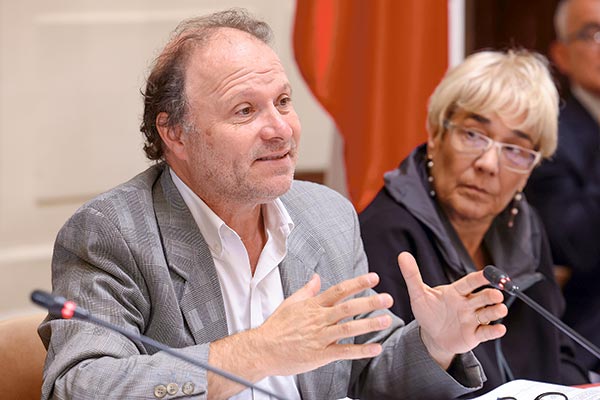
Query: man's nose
x=276 y=125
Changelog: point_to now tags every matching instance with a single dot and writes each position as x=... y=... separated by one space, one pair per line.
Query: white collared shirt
x=249 y=300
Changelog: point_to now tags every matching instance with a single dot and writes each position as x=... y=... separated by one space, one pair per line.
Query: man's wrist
x=243 y=354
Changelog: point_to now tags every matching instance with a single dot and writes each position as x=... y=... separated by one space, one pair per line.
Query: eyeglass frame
x=589 y=34
x=449 y=126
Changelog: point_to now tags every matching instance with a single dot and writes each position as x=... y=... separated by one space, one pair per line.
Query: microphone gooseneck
x=500 y=280
x=66 y=309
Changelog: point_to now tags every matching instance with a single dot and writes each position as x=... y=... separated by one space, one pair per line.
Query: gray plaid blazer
x=135 y=257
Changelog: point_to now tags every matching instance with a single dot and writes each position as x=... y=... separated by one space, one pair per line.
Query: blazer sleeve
x=415 y=374
x=94 y=266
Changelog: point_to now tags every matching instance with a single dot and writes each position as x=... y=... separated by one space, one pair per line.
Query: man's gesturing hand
x=451 y=316
x=302 y=333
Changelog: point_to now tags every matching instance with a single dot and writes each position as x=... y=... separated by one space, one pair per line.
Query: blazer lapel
x=299 y=265
x=189 y=257
x=201 y=300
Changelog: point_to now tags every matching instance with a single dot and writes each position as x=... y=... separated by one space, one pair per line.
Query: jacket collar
x=189 y=257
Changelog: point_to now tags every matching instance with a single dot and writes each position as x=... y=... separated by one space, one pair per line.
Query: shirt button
x=160 y=391
x=188 y=388
x=172 y=388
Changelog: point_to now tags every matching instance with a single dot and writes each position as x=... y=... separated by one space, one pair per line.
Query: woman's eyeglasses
x=471 y=141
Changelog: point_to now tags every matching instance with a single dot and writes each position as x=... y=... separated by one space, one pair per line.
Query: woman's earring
x=429 y=177
x=514 y=210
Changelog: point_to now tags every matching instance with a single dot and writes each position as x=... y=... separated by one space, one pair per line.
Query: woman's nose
x=489 y=160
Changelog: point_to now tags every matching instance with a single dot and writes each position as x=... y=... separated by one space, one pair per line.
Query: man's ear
x=172 y=136
x=559 y=53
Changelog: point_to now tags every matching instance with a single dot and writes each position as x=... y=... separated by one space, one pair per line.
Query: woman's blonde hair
x=516 y=85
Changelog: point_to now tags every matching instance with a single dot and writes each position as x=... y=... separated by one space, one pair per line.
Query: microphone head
x=499 y=279
x=58 y=306
x=53 y=304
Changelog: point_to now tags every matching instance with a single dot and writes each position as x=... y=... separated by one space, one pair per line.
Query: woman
x=456 y=204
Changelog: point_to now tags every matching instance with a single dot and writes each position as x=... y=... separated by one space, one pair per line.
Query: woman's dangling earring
x=514 y=210
x=429 y=176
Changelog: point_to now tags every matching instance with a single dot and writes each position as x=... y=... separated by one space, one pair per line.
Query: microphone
x=66 y=309
x=500 y=280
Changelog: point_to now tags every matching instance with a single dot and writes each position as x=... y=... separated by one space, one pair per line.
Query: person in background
x=456 y=204
x=217 y=251
x=566 y=188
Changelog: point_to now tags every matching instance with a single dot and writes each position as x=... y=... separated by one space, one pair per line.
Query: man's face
x=579 y=56
x=242 y=147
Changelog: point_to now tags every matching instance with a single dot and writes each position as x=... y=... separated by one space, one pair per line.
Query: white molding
x=456 y=32
x=123 y=17
x=20 y=254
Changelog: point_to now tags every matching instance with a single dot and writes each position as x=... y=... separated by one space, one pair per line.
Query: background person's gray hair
x=560 y=19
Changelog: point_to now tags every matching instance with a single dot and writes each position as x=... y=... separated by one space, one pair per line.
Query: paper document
x=528 y=390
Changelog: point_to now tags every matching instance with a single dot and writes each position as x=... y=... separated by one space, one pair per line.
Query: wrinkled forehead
x=581 y=13
x=229 y=50
x=229 y=60
x=233 y=45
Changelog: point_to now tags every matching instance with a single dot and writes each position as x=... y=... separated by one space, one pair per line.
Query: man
x=217 y=252
x=566 y=189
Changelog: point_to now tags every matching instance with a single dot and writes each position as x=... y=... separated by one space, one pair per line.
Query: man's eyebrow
x=286 y=87
x=248 y=91
x=487 y=121
x=588 y=26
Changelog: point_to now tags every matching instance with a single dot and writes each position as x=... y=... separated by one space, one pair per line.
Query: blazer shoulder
x=123 y=205
x=303 y=196
x=575 y=123
x=131 y=191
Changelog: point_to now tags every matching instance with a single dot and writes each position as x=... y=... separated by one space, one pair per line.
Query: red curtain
x=372 y=64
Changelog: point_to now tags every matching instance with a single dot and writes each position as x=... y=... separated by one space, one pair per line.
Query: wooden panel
x=311 y=176
x=499 y=24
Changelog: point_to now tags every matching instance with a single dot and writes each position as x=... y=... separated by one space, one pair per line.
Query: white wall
x=70 y=75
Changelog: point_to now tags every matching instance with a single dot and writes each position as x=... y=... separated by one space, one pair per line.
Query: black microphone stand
x=57 y=306
x=564 y=328
x=500 y=280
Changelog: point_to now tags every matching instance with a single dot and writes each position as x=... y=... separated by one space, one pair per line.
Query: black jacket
x=404 y=217
x=566 y=192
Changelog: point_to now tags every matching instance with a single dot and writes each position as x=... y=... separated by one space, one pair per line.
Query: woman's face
x=475 y=187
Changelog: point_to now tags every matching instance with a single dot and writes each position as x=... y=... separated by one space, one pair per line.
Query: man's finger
x=361 y=305
x=412 y=276
x=352 y=351
x=358 y=327
x=344 y=289
x=311 y=289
